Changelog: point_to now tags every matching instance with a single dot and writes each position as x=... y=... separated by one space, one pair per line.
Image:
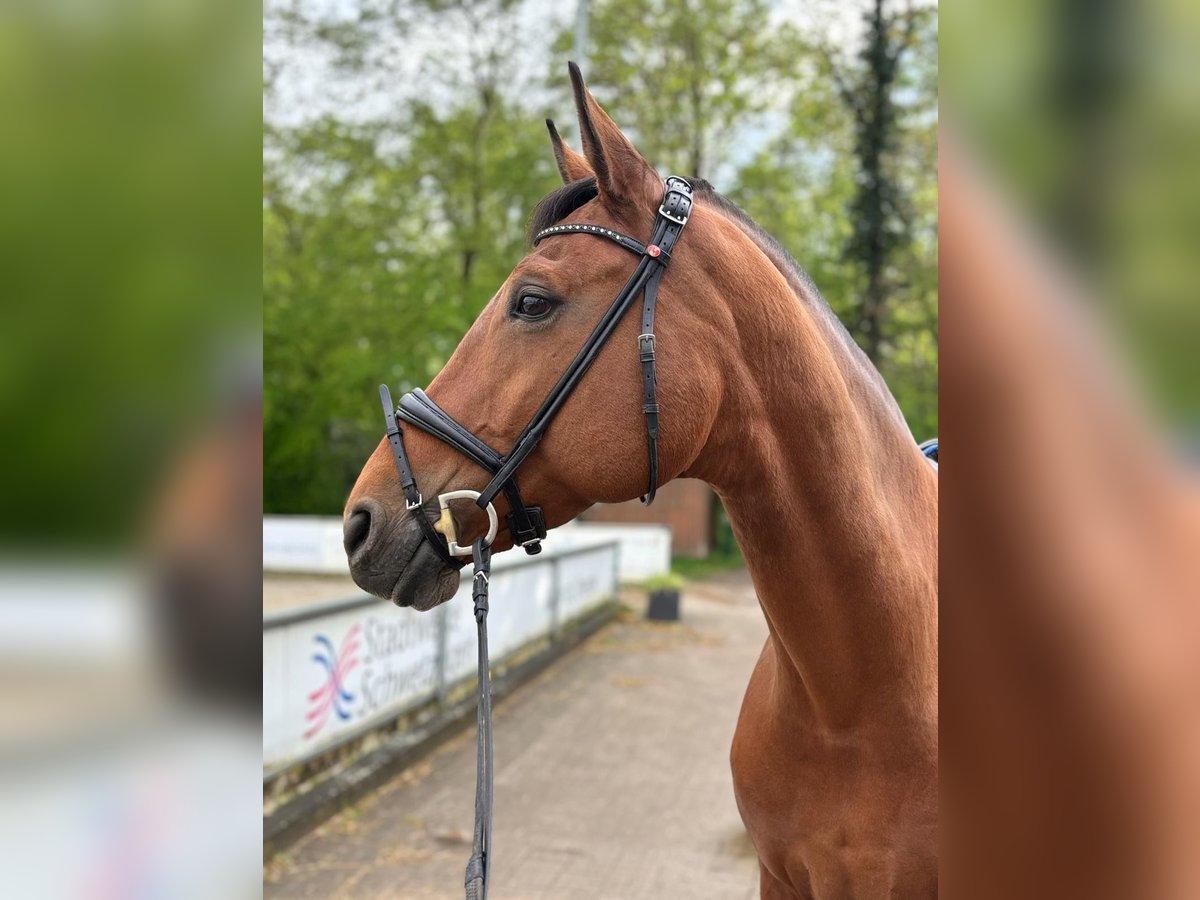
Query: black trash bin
x=663 y=605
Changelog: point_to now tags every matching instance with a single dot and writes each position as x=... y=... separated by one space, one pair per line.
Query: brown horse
x=765 y=397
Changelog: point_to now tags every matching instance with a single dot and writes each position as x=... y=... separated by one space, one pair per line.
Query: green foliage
x=375 y=262
x=670 y=581
x=806 y=188
x=716 y=562
x=683 y=78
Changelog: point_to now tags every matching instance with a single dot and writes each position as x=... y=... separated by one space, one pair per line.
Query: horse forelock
x=560 y=203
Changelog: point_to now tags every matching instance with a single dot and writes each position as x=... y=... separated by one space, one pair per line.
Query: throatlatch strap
x=673 y=214
x=649 y=384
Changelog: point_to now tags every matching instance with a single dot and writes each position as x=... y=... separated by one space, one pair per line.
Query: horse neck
x=833 y=506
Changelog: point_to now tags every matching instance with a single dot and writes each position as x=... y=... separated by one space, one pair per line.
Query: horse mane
x=803 y=287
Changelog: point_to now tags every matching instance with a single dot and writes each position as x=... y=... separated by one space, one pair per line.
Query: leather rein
x=527 y=524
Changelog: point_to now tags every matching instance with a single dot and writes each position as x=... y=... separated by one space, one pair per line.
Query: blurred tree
x=375 y=262
x=806 y=187
x=879 y=211
x=685 y=78
x=383 y=239
x=798 y=186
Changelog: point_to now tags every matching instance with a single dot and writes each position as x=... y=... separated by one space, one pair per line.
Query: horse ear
x=622 y=175
x=571 y=165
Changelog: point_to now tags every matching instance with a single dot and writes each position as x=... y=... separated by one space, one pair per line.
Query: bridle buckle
x=410 y=505
x=678 y=220
x=646 y=347
x=681 y=189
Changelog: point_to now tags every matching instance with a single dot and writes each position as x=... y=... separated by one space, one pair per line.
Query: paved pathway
x=612 y=779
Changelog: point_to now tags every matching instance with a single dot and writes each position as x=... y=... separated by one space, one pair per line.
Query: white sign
x=330 y=675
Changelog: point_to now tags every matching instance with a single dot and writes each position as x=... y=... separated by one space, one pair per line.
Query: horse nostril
x=355 y=530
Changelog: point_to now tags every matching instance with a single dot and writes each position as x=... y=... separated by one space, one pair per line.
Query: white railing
x=645 y=548
x=334 y=671
x=314 y=544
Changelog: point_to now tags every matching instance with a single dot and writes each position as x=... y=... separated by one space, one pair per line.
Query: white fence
x=332 y=671
x=645 y=549
x=304 y=544
x=314 y=544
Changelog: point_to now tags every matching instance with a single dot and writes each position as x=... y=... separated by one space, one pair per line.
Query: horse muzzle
x=390 y=558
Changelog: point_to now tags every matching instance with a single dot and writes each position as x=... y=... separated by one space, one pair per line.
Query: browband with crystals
x=599 y=230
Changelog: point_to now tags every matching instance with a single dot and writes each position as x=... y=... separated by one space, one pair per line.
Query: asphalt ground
x=612 y=778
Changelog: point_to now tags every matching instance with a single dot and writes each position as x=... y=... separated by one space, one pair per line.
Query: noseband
x=527 y=524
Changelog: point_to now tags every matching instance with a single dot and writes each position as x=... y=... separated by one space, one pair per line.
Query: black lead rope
x=481 y=843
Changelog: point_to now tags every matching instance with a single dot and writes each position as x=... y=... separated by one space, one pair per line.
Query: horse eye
x=531 y=306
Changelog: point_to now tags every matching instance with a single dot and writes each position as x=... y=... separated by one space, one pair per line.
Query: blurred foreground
x=1070 y=589
x=130 y=392
x=1070 y=708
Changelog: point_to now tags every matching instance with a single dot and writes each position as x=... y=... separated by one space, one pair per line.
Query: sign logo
x=332 y=695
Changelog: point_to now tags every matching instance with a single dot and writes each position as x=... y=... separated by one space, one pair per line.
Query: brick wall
x=685 y=504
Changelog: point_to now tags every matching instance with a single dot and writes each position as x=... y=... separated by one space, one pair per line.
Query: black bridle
x=527 y=524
